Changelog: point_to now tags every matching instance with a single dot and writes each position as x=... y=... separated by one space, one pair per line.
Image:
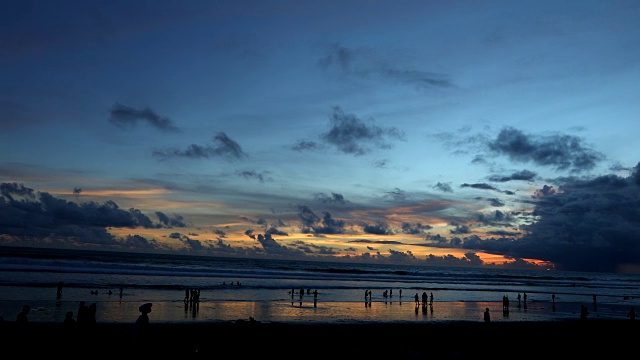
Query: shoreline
x=454 y=339
x=322 y=312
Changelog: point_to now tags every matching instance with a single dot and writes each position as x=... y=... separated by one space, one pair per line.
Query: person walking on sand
x=142 y=324
x=68 y=319
x=487 y=316
x=22 y=328
x=69 y=323
x=23 y=316
x=417 y=298
x=583 y=312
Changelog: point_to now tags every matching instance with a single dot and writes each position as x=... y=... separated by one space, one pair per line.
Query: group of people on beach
x=301 y=295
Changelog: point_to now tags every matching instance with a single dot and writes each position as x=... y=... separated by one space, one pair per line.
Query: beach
x=290 y=320
x=371 y=340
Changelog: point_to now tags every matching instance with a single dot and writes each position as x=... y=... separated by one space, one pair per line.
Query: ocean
x=233 y=289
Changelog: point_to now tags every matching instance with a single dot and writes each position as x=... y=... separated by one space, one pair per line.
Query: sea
x=186 y=288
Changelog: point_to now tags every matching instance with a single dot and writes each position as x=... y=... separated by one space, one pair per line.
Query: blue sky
x=426 y=132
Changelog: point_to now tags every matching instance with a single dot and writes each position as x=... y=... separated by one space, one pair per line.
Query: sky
x=465 y=133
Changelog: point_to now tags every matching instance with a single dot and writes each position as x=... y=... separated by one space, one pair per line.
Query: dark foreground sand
x=243 y=339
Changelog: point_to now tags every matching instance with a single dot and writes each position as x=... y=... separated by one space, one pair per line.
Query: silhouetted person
x=505 y=305
x=59 y=291
x=583 y=312
x=69 y=323
x=417 y=298
x=23 y=316
x=142 y=325
x=82 y=319
x=525 y=300
x=595 y=306
x=91 y=314
x=632 y=314
x=22 y=326
x=68 y=319
x=518 y=299
x=487 y=316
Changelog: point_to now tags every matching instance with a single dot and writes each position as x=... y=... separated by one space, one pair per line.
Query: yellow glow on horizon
x=113 y=192
x=341 y=245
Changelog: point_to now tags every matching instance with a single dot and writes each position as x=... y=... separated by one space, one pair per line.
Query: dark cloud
x=333 y=199
x=437 y=238
x=329 y=225
x=380 y=228
x=351 y=135
x=223 y=147
x=127 y=117
x=496 y=218
x=563 y=152
x=504 y=233
x=397 y=194
x=312 y=223
x=545 y=191
x=496 y=202
x=175 y=221
x=274 y=231
x=414 y=229
x=303 y=145
x=138 y=243
x=444 y=187
x=482 y=186
x=337 y=57
x=272 y=247
x=251 y=174
x=38 y=216
x=524 y=175
x=307 y=216
x=460 y=229
x=365 y=64
x=587 y=224
x=380 y=164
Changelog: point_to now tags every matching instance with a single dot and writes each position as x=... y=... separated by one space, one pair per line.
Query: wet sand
x=370 y=340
